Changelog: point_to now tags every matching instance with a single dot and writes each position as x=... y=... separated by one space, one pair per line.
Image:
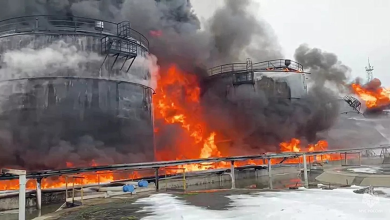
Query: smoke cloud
x=232 y=34
x=62 y=59
x=255 y=118
x=323 y=66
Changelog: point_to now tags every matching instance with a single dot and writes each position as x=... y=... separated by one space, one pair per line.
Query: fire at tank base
x=217 y=178
x=249 y=178
x=195 y=181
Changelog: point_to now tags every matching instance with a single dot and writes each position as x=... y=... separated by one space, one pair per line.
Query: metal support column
x=299 y=164
x=270 y=173
x=360 y=158
x=22 y=197
x=156 y=179
x=345 y=159
x=39 y=194
x=22 y=189
x=305 y=172
x=232 y=174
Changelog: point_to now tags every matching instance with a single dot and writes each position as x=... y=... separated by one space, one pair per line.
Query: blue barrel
x=143 y=183
x=128 y=188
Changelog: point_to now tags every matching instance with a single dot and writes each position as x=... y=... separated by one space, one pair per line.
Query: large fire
x=177 y=102
x=372 y=94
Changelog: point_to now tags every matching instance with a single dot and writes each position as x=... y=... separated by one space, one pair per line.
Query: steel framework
x=369 y=70
x=353 y=102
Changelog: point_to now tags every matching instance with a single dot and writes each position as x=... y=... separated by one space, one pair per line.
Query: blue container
x=143 y=183
x=128 y=188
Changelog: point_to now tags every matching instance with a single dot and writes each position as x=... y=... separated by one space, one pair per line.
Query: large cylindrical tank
x=274 y=79
x=251 y=94
x=73 y=90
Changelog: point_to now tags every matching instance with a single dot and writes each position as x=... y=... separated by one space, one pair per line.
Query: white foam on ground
x=307 y=204
x=371 y=170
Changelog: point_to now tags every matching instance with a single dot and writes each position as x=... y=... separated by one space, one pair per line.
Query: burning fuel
x=373 y=94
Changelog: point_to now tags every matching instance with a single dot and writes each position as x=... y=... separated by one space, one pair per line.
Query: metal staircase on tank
x=246 y=76
x=122 y=47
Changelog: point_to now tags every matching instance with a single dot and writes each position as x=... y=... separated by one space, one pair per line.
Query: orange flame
x=176 y=103
x=295 y=146
x=373 y=97
x=98 y=177
x=156 y=33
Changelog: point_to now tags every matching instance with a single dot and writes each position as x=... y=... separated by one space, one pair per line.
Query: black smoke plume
x=253 y=118
x=323 y=66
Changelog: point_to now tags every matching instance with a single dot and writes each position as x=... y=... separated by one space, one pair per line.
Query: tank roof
x=282 y=65
x=51 y=24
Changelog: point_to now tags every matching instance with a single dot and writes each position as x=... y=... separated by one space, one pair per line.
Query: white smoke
x=57 y=56
x=62 y=59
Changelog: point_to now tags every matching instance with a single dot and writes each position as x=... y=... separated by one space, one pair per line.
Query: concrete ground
x=366 y=175
x=126 y=209
x=209 y=196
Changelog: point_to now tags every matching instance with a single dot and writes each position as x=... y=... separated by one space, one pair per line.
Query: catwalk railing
x=162 y=164
x=271 y=65
x=53 y=24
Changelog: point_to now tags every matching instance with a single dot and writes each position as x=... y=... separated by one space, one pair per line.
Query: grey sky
x=352 y=29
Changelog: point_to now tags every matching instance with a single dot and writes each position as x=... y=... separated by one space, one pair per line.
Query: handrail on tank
x=52 y=23
x=278 y=65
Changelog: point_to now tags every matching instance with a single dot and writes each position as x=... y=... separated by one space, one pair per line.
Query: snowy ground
x=370 y=170
x=306 y=204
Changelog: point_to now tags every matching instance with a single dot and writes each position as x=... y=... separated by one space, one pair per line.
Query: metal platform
x=353 y=102
x=117 y=39
x=280 y=65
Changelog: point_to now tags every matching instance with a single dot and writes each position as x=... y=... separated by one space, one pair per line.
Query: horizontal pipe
x=160 y=164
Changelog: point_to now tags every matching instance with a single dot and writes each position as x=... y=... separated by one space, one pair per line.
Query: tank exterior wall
x=284 y=82
x=102 y=106
x=270 y=84
x=87 y=47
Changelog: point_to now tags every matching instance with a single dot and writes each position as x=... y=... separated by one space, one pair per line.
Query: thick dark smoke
x=232 y=34
x=261 y=121
x=323 y=66
x=256 y=120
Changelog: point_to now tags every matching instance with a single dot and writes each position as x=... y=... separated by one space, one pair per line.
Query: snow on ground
x=370 y=170
x=384 y=190
x=306 y=204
